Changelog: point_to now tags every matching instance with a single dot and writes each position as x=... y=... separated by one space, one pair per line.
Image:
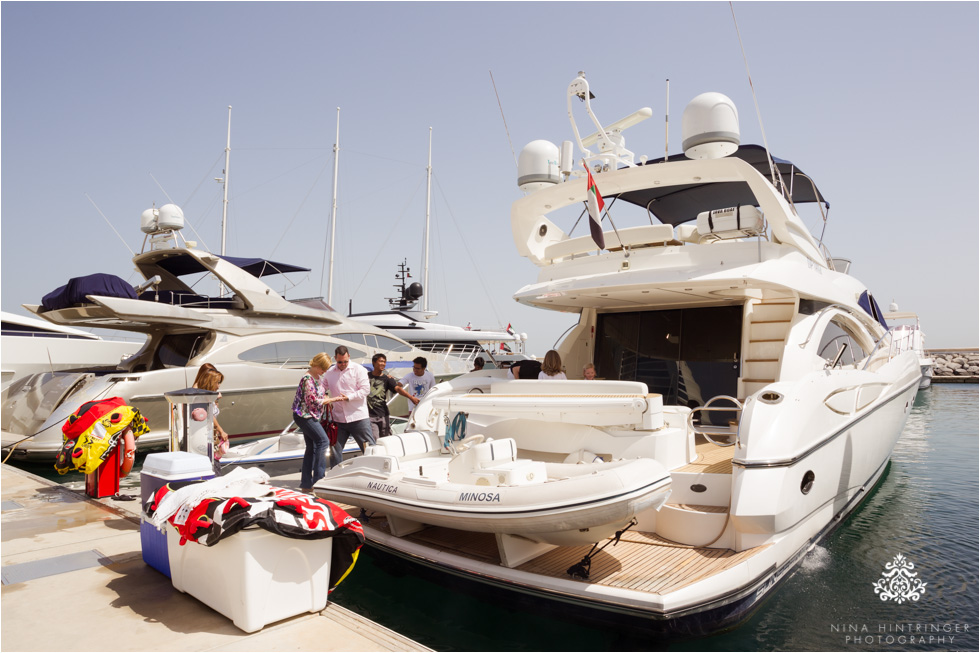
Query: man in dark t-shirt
x=377 y=400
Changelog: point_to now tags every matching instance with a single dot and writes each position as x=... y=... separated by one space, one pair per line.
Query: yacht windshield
x=176 y=349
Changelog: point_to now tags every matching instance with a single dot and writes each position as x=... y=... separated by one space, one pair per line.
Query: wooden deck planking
x=640 y=561
x=711 y=459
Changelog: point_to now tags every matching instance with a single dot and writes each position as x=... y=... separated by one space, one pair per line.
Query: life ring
x=128 y=444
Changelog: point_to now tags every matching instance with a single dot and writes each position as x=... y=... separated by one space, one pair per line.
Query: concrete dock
x=74 y=579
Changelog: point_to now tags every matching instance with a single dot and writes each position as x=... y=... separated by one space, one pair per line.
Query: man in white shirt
x=351 y=384
x=419 y=381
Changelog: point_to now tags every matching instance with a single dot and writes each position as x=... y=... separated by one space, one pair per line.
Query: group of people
x=357 y=401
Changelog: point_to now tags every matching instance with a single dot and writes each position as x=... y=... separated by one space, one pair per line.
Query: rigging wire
x=772 y=169
x=299 y=209
x=472 y=258
x=203 y=179
x=379 y=250
x=110 y=224
x=506 y=130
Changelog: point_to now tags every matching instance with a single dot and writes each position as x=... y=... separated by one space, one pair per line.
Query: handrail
x=816 y=321
x=890 y=334
x=707 y=407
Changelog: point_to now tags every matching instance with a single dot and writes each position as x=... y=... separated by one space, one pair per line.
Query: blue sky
x=878 y=102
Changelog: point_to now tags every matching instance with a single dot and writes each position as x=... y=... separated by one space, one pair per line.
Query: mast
x=425 y=250
x=333 y=210
x=224 y=199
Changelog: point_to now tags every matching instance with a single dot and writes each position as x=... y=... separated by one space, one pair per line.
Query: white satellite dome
x=709 y=127
x=171 y=217
x=538 y=166
x=148 y=221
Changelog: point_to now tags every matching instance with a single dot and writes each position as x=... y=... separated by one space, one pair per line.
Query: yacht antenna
x=425 y=253
x=667 y=123
x=758 y=113
x=333 y=214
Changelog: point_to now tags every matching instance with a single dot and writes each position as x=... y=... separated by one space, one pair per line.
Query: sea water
x=925 y=510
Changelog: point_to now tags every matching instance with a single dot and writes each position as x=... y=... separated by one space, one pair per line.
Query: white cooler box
x=253 y=577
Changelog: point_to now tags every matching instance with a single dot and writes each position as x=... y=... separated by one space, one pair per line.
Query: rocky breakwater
x=959 y=365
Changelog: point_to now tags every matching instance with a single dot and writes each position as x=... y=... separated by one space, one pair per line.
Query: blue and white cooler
x=158 y=470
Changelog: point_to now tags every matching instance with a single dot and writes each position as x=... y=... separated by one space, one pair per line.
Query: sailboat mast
x=333 y=210
x=425 y=253
x=224 y=199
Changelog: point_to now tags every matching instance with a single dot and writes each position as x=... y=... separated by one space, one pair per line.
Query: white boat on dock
x=744 y=363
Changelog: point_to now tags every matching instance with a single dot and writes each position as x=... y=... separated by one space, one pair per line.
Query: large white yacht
x=30 y=345
x=735 y=352
x=260 y=342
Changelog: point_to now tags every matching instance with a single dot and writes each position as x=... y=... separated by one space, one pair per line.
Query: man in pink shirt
x=350 y=384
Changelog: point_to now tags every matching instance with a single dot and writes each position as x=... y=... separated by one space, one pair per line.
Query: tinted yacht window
x=833 y=338
x=293 y=353
x=390 y=344
x=175 y=349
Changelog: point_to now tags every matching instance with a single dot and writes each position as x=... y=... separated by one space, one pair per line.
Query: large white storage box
x=253 y=577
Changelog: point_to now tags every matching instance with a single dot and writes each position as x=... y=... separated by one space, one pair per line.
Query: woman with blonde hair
x=551 y=367
x=209 y=378
x=311 y=397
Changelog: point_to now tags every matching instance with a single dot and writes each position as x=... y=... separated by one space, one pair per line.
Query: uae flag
x=510 y=329
x=596 y=205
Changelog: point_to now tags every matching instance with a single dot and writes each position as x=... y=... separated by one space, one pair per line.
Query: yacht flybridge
x=261 y=342
x=735 y=353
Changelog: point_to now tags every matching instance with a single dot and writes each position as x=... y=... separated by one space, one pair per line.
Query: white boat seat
x=494 y=452
x=642 y=236
x=495 y=462
x=570 y=387
x=413 y=444
x=687 y=233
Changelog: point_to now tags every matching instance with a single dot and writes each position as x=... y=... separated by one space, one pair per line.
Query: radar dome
x=414 y=291
x=709 y=127
x=148 y=221
x=171 y=217
x=538 y=166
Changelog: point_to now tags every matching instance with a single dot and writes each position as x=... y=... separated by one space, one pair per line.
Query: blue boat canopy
x=674 y=205
x=257 y=267
x=75 y=291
